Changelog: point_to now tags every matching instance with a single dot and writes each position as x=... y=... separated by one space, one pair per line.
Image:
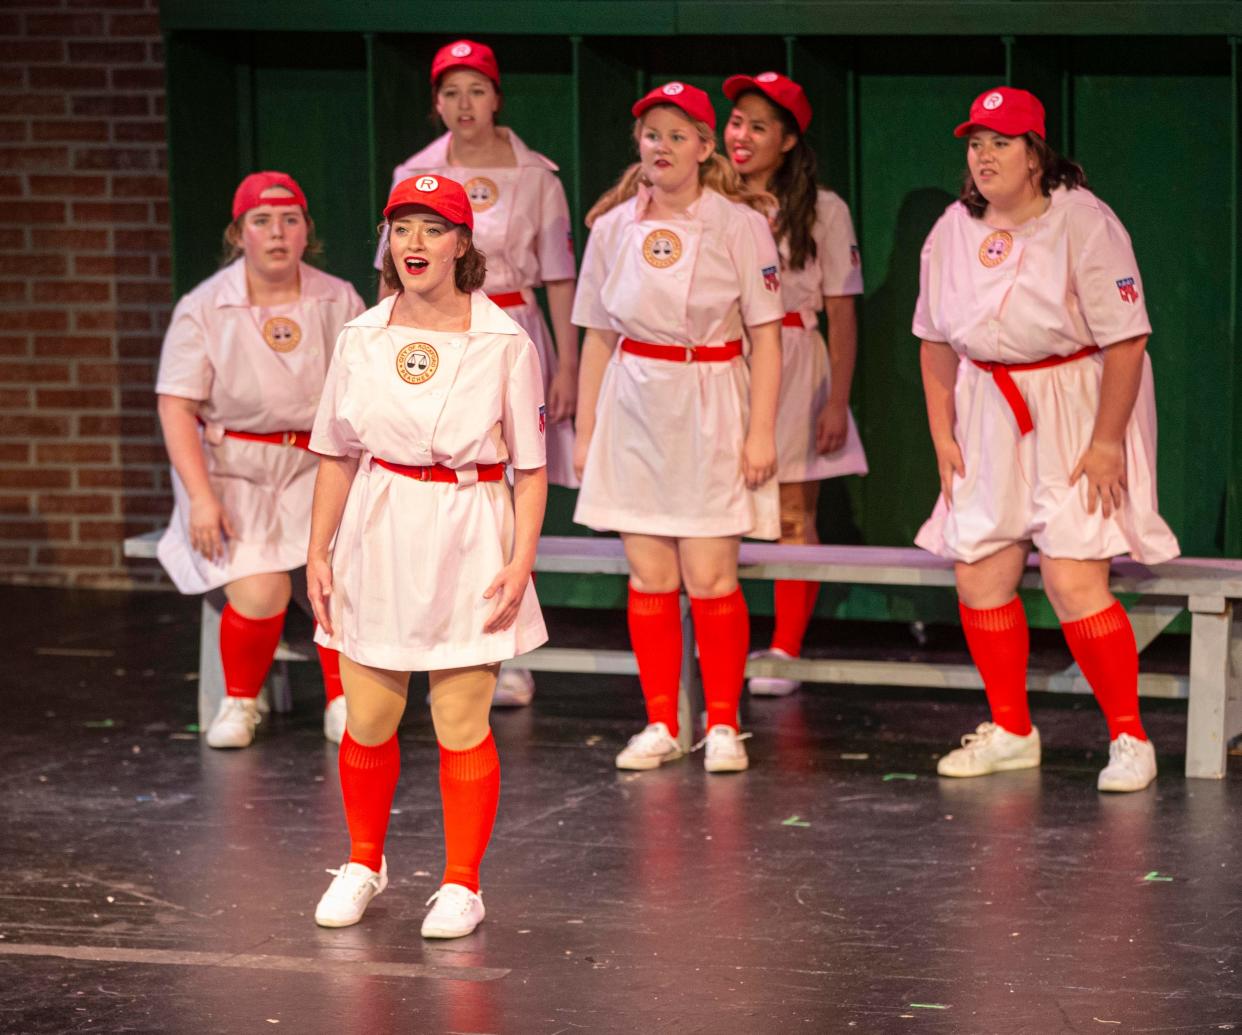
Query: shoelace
x=647 y=736
x=341 y=873
x=983 y=732
x=236 y=707
x=465 y=899
x=1124 y=748
x=736 y=737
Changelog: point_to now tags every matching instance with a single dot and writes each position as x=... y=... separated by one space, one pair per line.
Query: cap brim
x=1005 y=129
x=735 y=84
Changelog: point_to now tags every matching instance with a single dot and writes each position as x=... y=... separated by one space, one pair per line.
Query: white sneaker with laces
x=772 y=686
x=234 y=724
x=352 y=888
x=724 y=752
x=1131 y=765
x=456 y=913
x=991 y=749
x=649 y=749
x=334 y=720
x=515 y=688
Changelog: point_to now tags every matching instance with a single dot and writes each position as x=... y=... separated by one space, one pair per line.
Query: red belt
x=1000 y=374
x=440 y=473
x=684 y=353
x=300 y=439
x=508 y=299
x=792 y=320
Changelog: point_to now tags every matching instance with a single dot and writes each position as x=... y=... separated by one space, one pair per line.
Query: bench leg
x=210 y=669
x=1211 y=680
x=690 y=691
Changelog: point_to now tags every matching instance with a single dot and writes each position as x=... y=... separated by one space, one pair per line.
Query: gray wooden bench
x=1210 y=589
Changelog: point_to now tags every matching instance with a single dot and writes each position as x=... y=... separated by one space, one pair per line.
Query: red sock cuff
x=994 y=619
x=645 y=604
x=247 y=646
x=476 y=763
x=714 y=607
x=1112 y=619
x=369 y=756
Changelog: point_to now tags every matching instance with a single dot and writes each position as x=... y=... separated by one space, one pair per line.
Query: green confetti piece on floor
x=1155 y=876
x=928 y=1006
x=900 y=776
x=192 y=728
x=794 y=821
x=99 y=724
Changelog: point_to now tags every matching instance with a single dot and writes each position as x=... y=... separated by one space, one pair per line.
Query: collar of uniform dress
x=233 y=291
x=436 y=156
x=700 y=207
x=485 y=316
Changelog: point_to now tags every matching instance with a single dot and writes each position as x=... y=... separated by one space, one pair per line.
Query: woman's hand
x=209 y=526
x=1104 y=464
x=563 y=394
x=758 y=459
x=582 y=445
x=831 y=427
x=949 y=462
x=507 y=588
x=319 y=589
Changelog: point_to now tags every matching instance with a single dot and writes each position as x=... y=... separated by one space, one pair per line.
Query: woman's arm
x=563 y=391
x=1104 y=462
x=597 y=349
x=209 y=524
x=332 y=484
x=832 y=422
x=759 y=449
x=939 y=363
x=530 y=497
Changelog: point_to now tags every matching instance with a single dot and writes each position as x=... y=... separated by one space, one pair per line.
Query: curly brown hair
x=1055 y=170
x=469 y=271
x=232 y=248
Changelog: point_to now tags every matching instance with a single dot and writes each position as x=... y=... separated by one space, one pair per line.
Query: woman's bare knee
x=461 y=701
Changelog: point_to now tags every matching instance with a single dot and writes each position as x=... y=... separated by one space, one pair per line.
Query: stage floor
x=150 y=884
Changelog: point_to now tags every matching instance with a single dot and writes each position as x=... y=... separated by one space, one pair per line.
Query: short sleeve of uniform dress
x=1106 y=277
x=758 y=264
x=524 y=424
x=924 y=327
x=554 y=243
x=332 y=434
x=185 y=369
x=836 y=247
x=589 y=308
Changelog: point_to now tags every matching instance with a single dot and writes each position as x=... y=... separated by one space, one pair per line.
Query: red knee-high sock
x=1000 y=645
x=368 y=782
x=722 y=631
x=469 y=793
x=330 y=662
x=247 y=646
x=655 y=634
x=794 y=603
x=1103 y=645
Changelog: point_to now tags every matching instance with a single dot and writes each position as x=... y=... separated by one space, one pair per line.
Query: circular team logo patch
x=281 y=334
x=662 y=248
x=765 y=77
x=482 y=192
x=993 y=101
x=672 y=89
x=427 y=184
x=995 y=248
x=417 y=362
x=461 y=50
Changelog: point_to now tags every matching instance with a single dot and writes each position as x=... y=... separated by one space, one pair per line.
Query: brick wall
x=84 y=287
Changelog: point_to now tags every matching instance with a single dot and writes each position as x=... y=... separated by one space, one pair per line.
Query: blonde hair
x=716 y=173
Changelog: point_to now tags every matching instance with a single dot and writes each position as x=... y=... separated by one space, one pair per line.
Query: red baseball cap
x=690 y=99
x=249 y=193
x=465 y=54
x=779 y=89
x=1007 y=111
x=443 y=196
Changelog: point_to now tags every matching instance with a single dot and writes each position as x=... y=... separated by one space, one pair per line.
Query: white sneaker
x=991 y=749
x=772 y=686
x=234 y=724
x=1131 y=765
x=334 y=719
x=456 y=913
x=649 y=749
x=515 y=688
x=352 y=888
x=725 y=752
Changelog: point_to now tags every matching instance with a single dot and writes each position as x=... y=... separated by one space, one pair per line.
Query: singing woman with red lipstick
x=820 y=271
x=522 y=226
x=240 y=375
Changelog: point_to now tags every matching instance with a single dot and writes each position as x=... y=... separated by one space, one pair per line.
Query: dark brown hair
x=233 y=234
x=796 y=186
x=469 y=271
x=1055 y=170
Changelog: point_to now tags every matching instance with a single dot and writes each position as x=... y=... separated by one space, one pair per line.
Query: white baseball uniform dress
x=413 y=558
x=258 y=370
x=806 y=378
x=665 y=455
x=1061 y=283
x=521 y=225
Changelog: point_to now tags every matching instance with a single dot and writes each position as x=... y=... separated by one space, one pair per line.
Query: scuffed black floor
x=839 y=886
